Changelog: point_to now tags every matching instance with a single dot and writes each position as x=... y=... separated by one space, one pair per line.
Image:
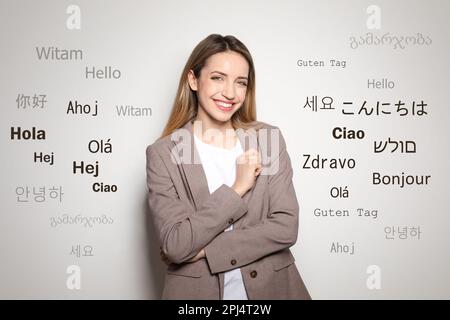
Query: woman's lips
x=224 y=106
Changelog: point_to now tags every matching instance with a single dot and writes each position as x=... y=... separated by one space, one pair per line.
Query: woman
x=225 y=221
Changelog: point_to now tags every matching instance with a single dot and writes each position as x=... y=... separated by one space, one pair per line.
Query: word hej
x=94 y=72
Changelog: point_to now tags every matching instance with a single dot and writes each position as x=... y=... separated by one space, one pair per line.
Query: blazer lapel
x=196 y=181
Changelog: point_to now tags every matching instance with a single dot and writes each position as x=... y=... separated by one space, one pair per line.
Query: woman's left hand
x=199 y=256
x=164 y=257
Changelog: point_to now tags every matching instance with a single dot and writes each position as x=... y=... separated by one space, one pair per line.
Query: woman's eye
x=216 y=78
x=243 y=83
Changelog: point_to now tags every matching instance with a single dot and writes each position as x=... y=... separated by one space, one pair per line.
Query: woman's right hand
x=248 y=167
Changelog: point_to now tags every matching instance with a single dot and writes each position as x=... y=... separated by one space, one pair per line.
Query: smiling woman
x=218 y=64
x=221 y=85
x=223 y=232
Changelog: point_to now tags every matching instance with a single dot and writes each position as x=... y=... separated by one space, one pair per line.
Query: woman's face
x=222 y=85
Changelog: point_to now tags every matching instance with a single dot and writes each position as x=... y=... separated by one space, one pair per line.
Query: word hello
x=33 y=134
x=380 y=84
x=107 y=72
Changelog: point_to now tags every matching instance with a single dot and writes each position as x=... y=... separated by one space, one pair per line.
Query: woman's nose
x=228 y=91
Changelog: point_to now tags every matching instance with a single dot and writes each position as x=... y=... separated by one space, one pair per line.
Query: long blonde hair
x=185 y=106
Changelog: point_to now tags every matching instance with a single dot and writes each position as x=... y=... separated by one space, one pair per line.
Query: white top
x=219 y=165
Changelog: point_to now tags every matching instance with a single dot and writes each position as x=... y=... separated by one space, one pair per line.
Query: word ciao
x=343 y=133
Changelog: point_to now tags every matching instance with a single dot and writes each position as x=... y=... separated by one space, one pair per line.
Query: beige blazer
x=188 y=218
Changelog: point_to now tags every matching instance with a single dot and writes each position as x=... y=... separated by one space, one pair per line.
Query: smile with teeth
x=223 y=105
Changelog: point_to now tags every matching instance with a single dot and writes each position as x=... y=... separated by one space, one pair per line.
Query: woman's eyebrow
x=224 y=74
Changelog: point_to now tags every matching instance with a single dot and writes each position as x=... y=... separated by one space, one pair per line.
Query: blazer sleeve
x=278 y=231
x=183 y=231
